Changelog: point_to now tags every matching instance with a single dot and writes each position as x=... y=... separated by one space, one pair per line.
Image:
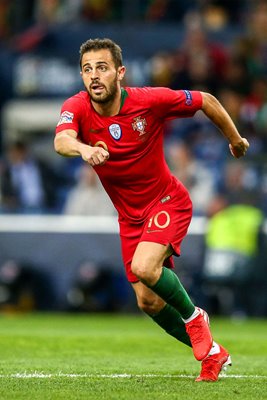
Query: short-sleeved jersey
x=136 y=175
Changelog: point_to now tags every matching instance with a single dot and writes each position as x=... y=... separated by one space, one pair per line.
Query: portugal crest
x=139 y=125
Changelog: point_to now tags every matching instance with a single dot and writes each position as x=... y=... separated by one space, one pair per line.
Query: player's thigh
x=130 y=236
x=149 y=257
x=147 y=300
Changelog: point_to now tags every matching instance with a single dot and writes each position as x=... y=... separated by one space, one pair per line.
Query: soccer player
x=119 y=132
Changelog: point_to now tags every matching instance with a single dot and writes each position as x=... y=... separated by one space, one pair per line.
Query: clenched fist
x=239 y=149
x=94 y=155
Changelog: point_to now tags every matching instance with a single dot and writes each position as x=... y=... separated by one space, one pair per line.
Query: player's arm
x=213 y=109
x=67 y=144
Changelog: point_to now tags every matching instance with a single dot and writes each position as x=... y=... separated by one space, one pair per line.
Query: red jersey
x=136 y=175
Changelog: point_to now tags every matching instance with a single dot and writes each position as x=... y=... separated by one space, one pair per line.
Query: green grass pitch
x=121 y=357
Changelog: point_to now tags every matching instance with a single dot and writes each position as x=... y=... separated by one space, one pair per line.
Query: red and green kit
x=152 y=204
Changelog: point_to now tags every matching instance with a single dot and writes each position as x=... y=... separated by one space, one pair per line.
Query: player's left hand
x=239 y=149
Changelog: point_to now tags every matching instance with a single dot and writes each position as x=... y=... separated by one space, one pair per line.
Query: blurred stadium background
x=59 y=248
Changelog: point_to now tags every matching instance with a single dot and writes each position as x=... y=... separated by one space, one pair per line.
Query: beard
x=107 y=96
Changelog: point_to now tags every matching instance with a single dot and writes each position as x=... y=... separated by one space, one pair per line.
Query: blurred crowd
x=234 y=71
x=17 y=16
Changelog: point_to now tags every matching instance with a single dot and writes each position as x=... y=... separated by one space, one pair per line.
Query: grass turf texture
x=45 y=349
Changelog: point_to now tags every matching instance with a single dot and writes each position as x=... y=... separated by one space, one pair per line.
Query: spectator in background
x=219 y=14
x=203 y=59
x=27 y=185
x=167 y=10
x=4 y=26
x=161 y=69
x=240 y=183
x=47 y=12
x=15 y=16
x=193 y=174
x=236 y=76
x=97 y=10
x=88 y=197
x=230 y=268
x=257 y=28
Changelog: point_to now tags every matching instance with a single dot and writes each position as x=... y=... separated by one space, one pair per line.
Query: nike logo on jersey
x=92 y=130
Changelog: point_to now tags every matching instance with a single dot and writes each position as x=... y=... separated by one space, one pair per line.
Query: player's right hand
x=94 y=155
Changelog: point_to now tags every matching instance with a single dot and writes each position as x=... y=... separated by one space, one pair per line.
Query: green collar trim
x=124 y=95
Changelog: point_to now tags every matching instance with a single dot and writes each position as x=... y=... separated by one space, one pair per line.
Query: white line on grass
x=26 y=375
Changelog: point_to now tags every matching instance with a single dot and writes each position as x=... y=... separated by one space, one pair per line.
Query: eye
x=103 y=68
x=87 y=70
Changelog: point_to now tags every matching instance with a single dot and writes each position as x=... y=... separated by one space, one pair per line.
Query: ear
x=121 y=72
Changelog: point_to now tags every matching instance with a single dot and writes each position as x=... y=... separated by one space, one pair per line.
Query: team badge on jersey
x=139 y=125
x=66 y=118
x=115 y=131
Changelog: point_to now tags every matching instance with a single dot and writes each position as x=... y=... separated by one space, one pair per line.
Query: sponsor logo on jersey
x=139 y=125
x=66 y=118
x=188 y=97
x=115 y=131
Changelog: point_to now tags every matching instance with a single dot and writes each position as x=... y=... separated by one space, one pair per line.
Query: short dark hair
x=99 y=44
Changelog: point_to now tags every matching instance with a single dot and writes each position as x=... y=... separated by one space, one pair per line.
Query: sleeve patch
x=65 y=118
x=188 y=97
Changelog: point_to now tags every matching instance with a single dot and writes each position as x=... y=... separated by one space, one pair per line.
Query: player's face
x=100 y=76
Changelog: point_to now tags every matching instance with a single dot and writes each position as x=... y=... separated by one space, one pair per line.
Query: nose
x=94 y=74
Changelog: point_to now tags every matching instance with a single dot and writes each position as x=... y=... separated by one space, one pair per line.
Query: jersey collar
x=124 y=95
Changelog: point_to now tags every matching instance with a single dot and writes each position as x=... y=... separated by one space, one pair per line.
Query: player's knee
x=144 y=273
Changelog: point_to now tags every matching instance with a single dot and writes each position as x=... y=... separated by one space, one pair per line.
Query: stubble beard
x=108 y=96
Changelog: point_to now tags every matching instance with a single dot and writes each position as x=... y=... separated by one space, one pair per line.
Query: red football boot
x=212 y=365
x=200 y=336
